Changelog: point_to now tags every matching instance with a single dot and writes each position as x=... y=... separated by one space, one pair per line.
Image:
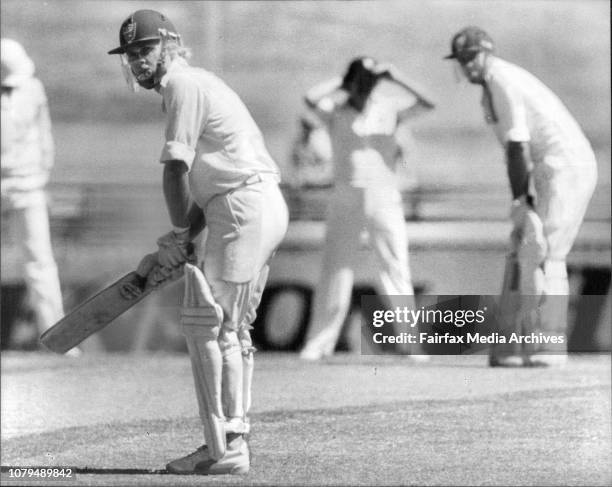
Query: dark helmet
x=468 y=42
x=143 y=26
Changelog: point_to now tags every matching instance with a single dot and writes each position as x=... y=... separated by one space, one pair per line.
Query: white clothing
x=351 y=210
x=521 y=108
x=29 y=226
x=235 y=182
x=27 y=157
x=363 y=143
x=210 y=129
x=27 y=144
x=366 y=196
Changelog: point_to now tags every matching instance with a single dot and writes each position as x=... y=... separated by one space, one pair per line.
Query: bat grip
x=140 y=281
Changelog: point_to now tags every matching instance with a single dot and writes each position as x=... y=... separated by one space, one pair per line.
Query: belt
x=261 y=177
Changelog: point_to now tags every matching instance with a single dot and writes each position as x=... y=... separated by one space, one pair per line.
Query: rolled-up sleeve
x=186 y=109
x=510 y=110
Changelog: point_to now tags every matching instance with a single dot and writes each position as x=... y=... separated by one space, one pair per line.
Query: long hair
x=172 y=50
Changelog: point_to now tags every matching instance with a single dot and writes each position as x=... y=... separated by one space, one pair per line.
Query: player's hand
x=528 y=230
x=173 y=249
x=147 y=264
x=132 y=290
x=384 y=69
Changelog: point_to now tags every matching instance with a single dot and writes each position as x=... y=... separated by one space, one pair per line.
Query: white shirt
x=27 y=142
x=364 y=145
x=211 y=130
x=521 y=108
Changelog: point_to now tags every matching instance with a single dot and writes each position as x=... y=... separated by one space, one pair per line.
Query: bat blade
x=92 y=315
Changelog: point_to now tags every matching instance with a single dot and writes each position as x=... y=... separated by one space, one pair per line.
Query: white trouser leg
x=387 y=231
x=553 y=314
x=332 y=296
x=40 y=269
x=239 y=302
x=246 y=344
x=387 y=234
x=201 y=317
x=562 y=202
x=245 y=227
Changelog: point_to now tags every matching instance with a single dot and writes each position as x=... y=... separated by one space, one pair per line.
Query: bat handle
x=140 y=281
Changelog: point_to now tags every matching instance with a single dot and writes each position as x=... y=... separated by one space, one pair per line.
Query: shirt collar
x=177 y=64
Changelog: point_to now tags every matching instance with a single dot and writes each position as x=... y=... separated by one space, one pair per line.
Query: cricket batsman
x=217 y=175
x=363 y=130
x=552 y=173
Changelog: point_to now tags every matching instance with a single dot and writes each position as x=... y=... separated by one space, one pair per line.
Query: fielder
x=217 y=174
x=552 y=172
x=362 y=128
x=27 y=159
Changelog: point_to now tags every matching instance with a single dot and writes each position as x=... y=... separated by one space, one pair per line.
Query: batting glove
x=173 y=249
x=528 y=231
x=133 y=290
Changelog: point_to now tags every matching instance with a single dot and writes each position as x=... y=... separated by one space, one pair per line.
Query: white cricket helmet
x=17 y=67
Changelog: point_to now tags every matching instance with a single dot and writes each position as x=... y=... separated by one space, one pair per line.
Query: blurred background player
x=27 y=159
x=552 y=173
x=362 y=126
x=217 y=174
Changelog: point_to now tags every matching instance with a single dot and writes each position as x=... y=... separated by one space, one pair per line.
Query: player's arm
x=324 y=90
x=424 y=101
x=47 y=147
x=186 y=109
x=519 y=166
x=184 y=212
x=511 y=120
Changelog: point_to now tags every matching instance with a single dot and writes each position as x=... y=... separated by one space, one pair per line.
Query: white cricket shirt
x=211 y=130
x=27 y=143
x=364 y=147
x=521 y=108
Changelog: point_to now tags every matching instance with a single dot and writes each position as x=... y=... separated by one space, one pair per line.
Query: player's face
x=144 y=61
x=473 y=68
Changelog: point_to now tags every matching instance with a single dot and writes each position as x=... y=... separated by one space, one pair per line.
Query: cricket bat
x=97 y=312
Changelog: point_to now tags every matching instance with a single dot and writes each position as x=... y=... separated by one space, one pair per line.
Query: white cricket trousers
x=352 y=210
x=244 y=228
x=562 y=200
x=32 y=235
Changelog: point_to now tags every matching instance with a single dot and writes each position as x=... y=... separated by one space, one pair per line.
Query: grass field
x=353 y=420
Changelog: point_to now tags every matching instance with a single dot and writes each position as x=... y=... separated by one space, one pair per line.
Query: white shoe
x=75 y=352
x=506 y=361
x=543 y=360
x=236 y=460
x=417 y=359
x=311 y=354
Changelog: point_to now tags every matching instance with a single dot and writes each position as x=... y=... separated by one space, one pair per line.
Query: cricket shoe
x=506 y=361
x=546 y=360
x=236 y=460
x=75 y=352
x=314 y=353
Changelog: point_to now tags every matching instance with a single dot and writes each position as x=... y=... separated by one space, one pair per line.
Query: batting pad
x=201 y=319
